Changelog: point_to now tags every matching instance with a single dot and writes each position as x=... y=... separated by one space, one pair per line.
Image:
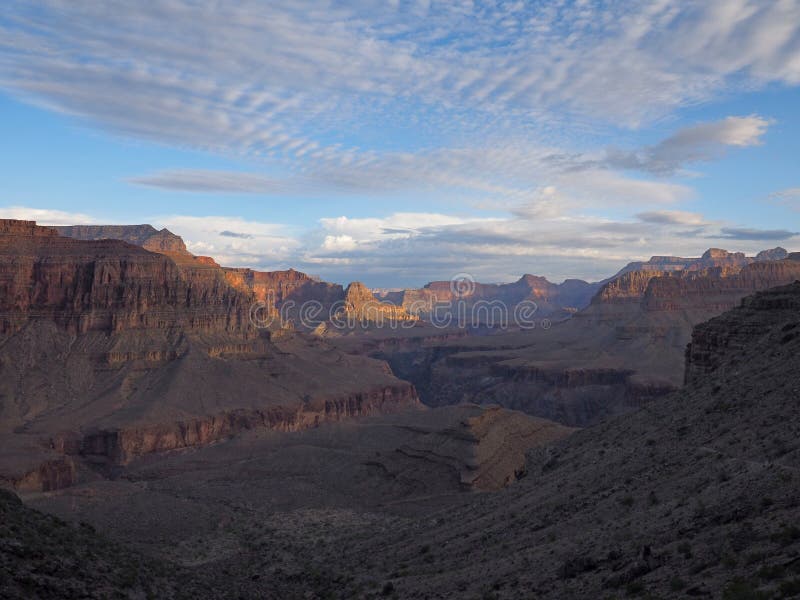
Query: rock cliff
x=106 y=285
x=282 y=293
x=361 y=307
x=109 y=351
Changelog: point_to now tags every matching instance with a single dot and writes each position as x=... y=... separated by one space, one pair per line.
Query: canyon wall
x=110 y=351
x=626 y=348
x=106 y=285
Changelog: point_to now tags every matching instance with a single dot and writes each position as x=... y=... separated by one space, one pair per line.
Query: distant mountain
x=552 y=300
x=713 y=257
x=146 y=236
x=625 y=348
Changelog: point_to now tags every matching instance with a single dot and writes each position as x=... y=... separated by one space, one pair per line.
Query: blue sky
x=401 y=142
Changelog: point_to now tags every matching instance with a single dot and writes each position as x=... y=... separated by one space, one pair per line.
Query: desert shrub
x=729 y=561
x=634 y=588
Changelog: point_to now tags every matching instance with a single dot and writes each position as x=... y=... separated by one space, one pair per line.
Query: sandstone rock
x=282 y=292
x=361 y=305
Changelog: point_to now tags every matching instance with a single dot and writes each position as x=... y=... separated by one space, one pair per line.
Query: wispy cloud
x=699 y=143
x=481 y=103
x=254 y=77
x=747 y=233
x=208 y=181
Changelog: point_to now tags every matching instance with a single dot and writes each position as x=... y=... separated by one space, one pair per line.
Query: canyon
x=692 y=495
x=625 y=348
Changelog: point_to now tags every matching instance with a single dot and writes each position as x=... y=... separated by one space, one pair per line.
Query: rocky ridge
x=551 y=300
x=624 y=349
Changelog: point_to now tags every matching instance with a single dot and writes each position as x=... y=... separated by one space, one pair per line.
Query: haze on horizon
x=407 y=141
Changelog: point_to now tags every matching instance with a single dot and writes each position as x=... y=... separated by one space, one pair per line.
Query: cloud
x=234 y=241
x=278 y=78
x=745 y=233
x=214 y=182
x=671 y=217
x=409 y=249
x=314 y=90
x=234 y=234
x=698 y=143
x=45 y=216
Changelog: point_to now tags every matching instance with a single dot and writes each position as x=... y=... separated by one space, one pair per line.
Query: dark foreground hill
x=694 y=495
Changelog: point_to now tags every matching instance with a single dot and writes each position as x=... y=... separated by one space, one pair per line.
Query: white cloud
x=277 y=78
x=701 y=142
x=45 y=216
x=234 y=241
x=413 y=248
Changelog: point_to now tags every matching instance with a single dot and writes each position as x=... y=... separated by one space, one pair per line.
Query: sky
x=397 y=142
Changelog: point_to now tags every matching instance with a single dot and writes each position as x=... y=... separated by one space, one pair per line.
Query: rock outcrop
x=719 y=345
x=487 y=449
x=361 y=307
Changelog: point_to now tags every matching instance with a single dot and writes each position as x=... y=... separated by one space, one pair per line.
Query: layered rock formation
x=624 y=349
x=713 y=257
x=282 y=293
x=487 y=449
x=106 y=285
x=361 y=307
x=692 y=496
x=109 y=351
x=445 y=300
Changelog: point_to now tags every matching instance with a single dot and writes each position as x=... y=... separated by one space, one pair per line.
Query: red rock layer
x=107 y=285
x=120 y=446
